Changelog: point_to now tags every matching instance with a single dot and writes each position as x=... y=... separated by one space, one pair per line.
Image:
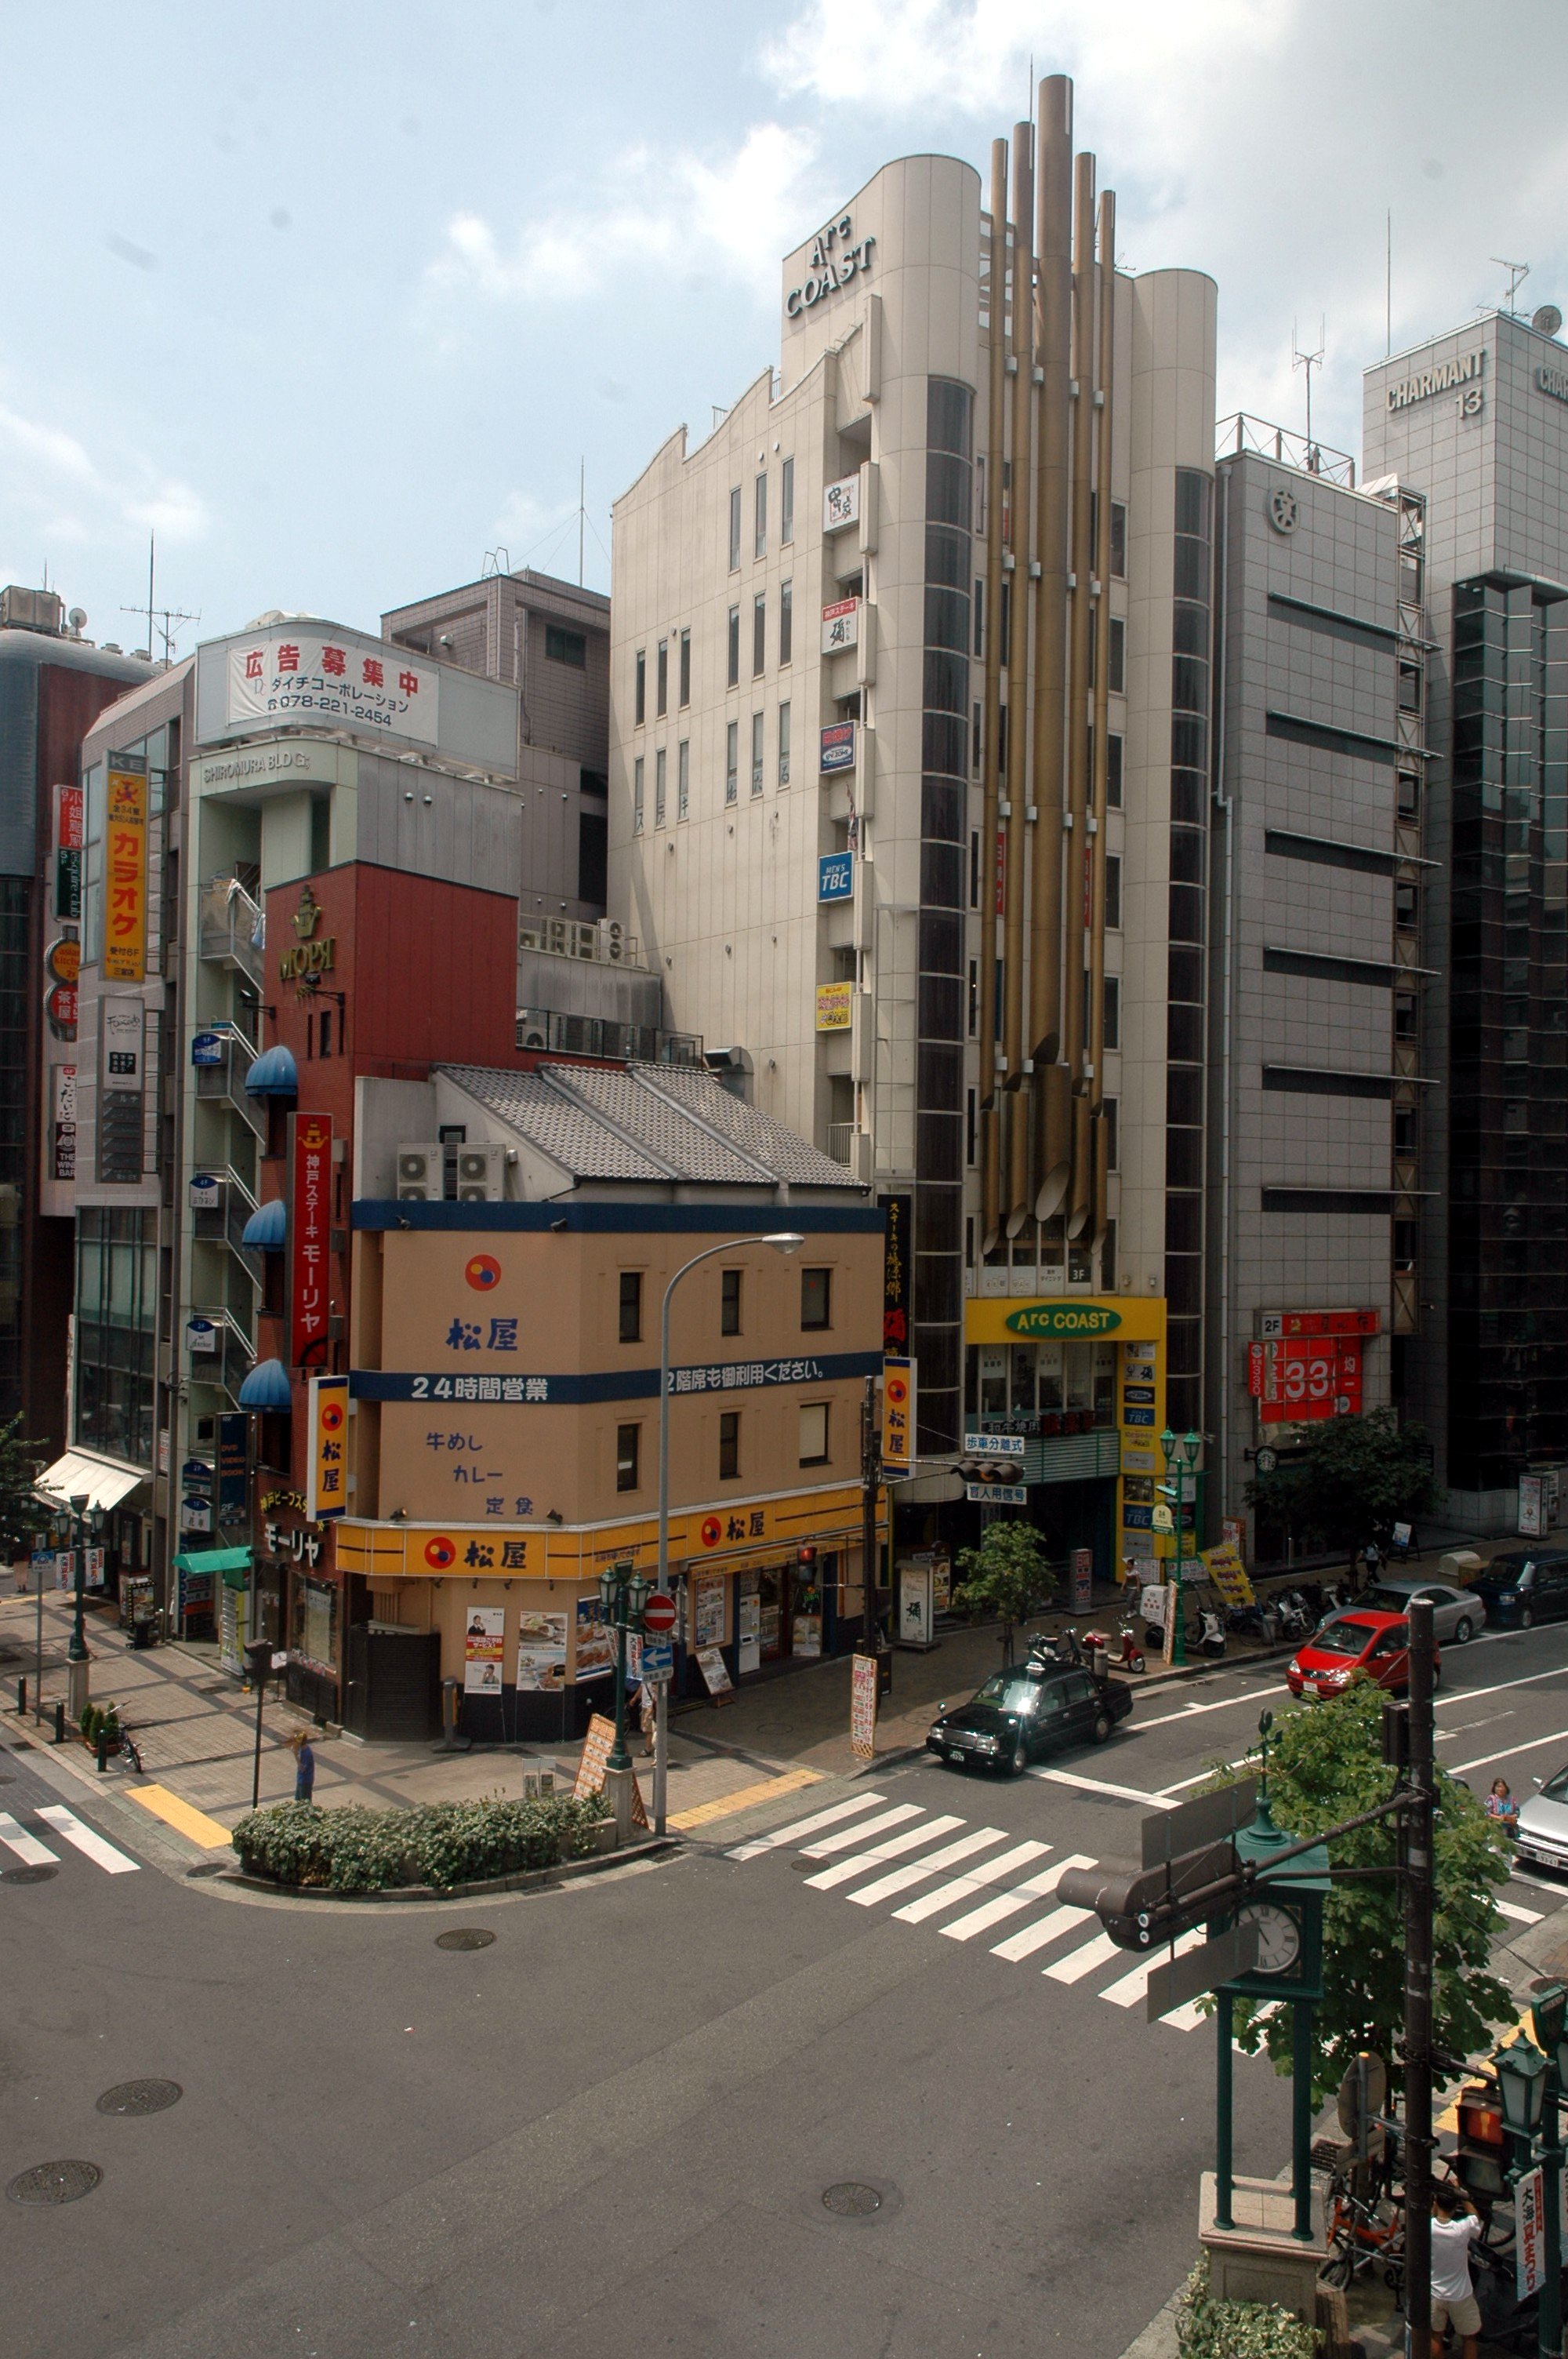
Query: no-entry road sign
x=659 y=1613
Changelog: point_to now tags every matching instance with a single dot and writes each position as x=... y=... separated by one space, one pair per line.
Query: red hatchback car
x=1375 y=1644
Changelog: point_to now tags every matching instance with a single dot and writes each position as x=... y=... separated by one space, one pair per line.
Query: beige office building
x=909 y=759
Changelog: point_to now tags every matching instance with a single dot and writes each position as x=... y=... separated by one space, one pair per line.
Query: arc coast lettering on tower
x=1441 y=379
x=834 y=261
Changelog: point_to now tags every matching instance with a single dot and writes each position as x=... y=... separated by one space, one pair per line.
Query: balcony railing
x=840 y=1142
x=597 y=1036
x=230 y=1361
x=223 y=1223
x=234 y=928
x=225 y=1080
x=1241 y=432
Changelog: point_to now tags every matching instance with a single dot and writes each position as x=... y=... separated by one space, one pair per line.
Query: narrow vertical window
x=731 y=761
x=685 y=669
x=637 y=796
x=732 y=667
x=631 y=1325
x=730 y=1302
x=626 y=1440
x=729 y=1445
x=787 y=501
x=974 y=1009
x=659 y=787
x=756 y=753
x=1113 y=1011
x=735 y=528
x=640 y=694
x=760 y=518
x=1118 y=674
x=758 y=637
x=786 y=621
x=1112 y=890
x=1119 y=539
x=662 y=677
x=784 y=744
x=980 y=620
x=970 y=1124
x=682 y=778
x=1113 y=772
x=974 y=876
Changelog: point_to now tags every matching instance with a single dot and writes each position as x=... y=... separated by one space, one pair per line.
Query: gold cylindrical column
x=990 y=1127
x=1020 y=540
x=1054 y=200
x=1099 y=766
x=1075 y=928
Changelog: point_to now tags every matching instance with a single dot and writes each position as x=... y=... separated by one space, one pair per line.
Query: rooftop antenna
x=169 y=618
x=1518 y=272
x=581 y=514
x=1389 y=291
x=1308 y=361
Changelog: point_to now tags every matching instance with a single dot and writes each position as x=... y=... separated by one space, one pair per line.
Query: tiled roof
x=648 y=1122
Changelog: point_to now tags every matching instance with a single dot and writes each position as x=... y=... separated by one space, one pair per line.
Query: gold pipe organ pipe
x=1023 y=357
x=990 y=1118
x=1100 y=765
x=1079 y=1193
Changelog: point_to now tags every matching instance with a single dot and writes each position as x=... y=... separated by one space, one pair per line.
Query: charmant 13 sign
x=834 y=261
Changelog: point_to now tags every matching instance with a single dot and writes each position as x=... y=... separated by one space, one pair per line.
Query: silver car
x=1543 y=1824
x=1456 y=1614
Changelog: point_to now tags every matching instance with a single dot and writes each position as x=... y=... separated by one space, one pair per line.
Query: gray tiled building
x=1312 y=954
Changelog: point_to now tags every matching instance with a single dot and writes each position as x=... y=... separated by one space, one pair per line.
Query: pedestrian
x=1500 y=1805
x=303 y=1765
x=1372 y=1559
x=1454 y=2227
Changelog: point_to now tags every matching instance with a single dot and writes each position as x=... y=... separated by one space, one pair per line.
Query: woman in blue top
x=1500 y=1804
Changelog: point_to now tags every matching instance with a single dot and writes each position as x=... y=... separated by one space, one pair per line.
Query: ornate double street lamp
x=1531 y=2085
x=1180 y=1457
x=71 y=1525
x=623 y=1592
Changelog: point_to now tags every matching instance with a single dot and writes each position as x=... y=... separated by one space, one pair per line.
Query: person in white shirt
x=1455 y=2228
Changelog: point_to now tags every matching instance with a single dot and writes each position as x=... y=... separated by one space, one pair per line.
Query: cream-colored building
x=909 y=713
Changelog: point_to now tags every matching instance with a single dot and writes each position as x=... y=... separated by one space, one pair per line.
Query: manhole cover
x=22 y=1745
x=54 y=2182
x=26 y=1875
x=208 y=1867
x=466 y=1937
x=851 y=2199
x=802 y=1863
x=140 y=2097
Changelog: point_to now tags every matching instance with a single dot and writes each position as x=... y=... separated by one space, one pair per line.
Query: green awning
x=234 y=1564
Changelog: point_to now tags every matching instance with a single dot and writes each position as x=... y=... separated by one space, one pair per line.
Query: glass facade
x=1185 y=1011
x=1507 y=1342
x=116 y=1309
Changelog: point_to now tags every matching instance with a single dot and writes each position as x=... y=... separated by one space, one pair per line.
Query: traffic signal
x=1140 y=1906
x=806 y=1559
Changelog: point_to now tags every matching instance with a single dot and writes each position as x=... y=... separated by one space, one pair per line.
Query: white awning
x=103 y=1481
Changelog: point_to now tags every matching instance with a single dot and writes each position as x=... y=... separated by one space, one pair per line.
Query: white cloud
x=61 y=454
x=57 y=466
x=681 y=210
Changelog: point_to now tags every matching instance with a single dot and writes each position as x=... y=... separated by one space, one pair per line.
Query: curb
x=533 y=1879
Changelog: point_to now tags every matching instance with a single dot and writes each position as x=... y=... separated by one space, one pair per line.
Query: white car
x=1543 y=1824
x=1456 y=1614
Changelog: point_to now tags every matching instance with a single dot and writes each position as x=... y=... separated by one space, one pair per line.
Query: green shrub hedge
x=441 y=1843
x=1207 y=2328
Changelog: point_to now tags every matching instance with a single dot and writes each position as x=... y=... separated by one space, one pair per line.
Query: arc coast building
x=909 y=777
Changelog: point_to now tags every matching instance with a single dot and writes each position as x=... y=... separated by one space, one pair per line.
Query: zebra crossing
x=922 y=1866
x=64 y=1824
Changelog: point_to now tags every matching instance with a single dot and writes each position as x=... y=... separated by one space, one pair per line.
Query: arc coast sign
x=834 y=260
x=1062 y=1319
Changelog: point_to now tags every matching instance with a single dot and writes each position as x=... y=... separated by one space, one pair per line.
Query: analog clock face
x=1279 y=1937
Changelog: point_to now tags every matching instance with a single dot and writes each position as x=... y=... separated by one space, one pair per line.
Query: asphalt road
x=613 y=2126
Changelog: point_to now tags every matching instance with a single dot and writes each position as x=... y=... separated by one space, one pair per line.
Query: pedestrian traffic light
x=1140 y=1908
x=806 y=1558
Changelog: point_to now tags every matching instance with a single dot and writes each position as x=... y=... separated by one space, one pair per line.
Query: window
x=786 y=502
x=729 y=1445
x=662 y=677
x=1407 y=793
x=759 y=636
x=1118 y=541
x=756 y=753
x=815 y=1297
x=1113 y=772
x=1112 y=1133
x=659 y=787
x=786 y=621
x=1407 y=1024
x=566 y=647
x=814 y=1434
x=732 y=667
x=974 y=868
x=784 y=744
x=1112 y=889
x=735 y=528
x=685 y=669
x=760 y=517
x=730 y=1301
x=731 y=761
x=627 y=1438
x=974 y=1015
x=1117 y=655
x=1113 y=1011
x=682 y=778
x=631 y=1306
x=593 y=856
x=326 y=1032
x=970 y=1123
x=637 y=796
x=640 y=698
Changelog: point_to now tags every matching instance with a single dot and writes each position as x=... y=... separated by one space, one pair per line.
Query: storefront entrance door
x=776 y=1601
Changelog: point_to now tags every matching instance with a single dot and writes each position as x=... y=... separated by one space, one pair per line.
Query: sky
x=337 y=302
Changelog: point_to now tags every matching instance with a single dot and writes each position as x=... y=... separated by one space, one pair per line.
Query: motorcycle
x=1210 y=1632
x=1130 y=1659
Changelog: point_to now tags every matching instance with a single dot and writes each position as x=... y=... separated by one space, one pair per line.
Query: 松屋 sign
x=327 y=1487
x=309 y=1236
x=898 y=1415
x=332 y=682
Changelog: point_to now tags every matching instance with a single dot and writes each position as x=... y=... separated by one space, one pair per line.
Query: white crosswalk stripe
x=27 y=1848
x=1022 y=1896
x=1079 y=1962
x=894 y=1818
x=895 y=1846
x=904 y=1878
x=1040 y=1935
x=92 y=1846
x=798 y=1827
x=965 y=1887
x=1521 y=1916
x=1135 y=1985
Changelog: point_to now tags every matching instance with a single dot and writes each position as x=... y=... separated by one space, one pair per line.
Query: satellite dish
x=1548 y=320
x=77 y=618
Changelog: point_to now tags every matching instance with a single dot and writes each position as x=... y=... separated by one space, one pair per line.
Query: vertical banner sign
x=62 y=1163
x=898 y=1416
x=1530 y=2244
x=234 y=1468
x=67 y=853
x=125 y=870
x=1082 y=1580
x=863 y=1706
x=310 y=1169
x=898 y=1213
x=326 y=1476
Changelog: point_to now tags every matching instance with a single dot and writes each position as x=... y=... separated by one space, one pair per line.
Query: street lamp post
x=77 y=1520
x=622 y=1592
x=1180 y=1457
x=783 y=1241
x=1531 y=2085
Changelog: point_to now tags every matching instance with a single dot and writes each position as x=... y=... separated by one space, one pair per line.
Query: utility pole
x=870 y=1457
x=1416 y=1827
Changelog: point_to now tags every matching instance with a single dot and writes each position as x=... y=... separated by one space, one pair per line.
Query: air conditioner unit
x=611 y=940
x=421 y=1174
x=481 y=1173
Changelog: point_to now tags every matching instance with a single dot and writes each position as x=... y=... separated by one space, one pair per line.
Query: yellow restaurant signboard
x=833 y=1007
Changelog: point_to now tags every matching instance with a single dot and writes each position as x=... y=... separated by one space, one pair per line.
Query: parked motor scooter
x=1211 y=1632
x=1130 y=1659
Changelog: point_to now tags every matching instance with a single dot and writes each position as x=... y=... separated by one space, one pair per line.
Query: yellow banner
x=327 y=1478
x=833 y=1007
x=126 y=871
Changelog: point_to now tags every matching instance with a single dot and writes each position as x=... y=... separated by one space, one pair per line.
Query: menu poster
x=595 y=1641
x=715 y=1670
x=541 y=1652
x=483 y=1632
x=863 y=1706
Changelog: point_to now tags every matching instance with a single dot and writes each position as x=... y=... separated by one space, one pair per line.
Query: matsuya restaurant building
x=505 y=1417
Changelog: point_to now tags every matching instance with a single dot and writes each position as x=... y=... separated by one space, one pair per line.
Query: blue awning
x=268 y=1227
x=267 y=1387
x=274 y=1075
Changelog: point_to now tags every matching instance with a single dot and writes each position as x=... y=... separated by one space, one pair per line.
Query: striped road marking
x=894 y=1848
x=798 y=1827
x=92 y=1847
x=1022 y=1896
x=27 y=1847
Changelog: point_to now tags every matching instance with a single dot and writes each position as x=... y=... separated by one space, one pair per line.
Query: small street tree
x=1358 y=1477
x=20 y=1514
x=1007 y=1575
x=1325 y=1765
